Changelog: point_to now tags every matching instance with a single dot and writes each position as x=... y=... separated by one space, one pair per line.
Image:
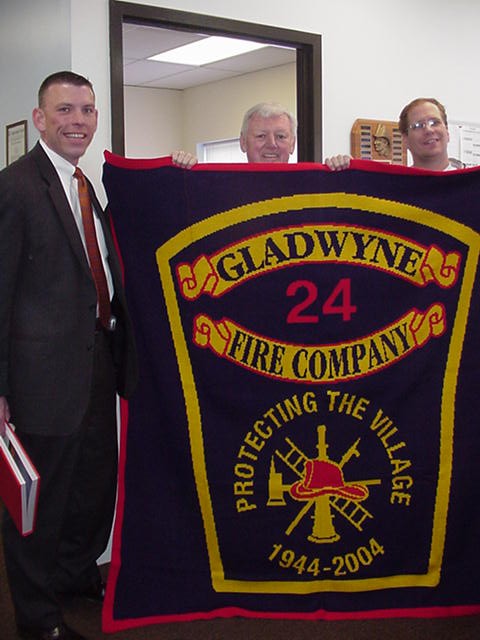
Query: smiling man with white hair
x=268 y=134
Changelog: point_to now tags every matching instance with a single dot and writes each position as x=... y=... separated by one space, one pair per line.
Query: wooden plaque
x=377 y=140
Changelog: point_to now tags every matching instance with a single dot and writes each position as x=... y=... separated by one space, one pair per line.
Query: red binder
x=19 y=482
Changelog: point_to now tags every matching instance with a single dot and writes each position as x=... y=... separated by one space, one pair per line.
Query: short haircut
x=62 y=77
x=268 y=110
x=403 y=118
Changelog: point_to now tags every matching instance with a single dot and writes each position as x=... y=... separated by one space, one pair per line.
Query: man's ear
x=243 y=146
x=38 y=118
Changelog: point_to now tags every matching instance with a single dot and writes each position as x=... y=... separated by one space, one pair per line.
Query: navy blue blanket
x=304 y=440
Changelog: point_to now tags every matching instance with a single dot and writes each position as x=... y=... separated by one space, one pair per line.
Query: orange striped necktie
x=94 y=257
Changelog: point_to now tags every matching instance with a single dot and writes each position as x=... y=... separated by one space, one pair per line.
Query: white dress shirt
x=65 y=172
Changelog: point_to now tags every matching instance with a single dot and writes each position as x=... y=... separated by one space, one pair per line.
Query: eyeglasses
x=423 y=124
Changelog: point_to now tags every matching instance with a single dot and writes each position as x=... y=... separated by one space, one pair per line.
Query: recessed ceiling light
x=207 y=50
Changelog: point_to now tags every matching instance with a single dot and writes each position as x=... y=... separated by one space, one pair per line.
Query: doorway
x=308 y=64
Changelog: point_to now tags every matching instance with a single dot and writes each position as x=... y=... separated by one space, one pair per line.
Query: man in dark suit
x=60 y=366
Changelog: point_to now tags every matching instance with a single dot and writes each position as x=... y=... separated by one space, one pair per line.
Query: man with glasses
x=424 y=127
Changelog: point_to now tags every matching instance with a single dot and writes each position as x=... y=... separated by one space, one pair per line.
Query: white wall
x=34 y=42
x=91 y=58
x=158 y=121
x=226 y=102
x=153 y=122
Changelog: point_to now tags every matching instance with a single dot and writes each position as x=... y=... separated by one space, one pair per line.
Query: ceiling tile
x=140 y=42
x=194 y=77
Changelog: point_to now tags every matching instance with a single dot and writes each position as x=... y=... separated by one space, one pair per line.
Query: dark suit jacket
x=48 y=302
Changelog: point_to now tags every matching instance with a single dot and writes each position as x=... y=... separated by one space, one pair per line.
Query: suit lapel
x=61 y=205
x=113 y=261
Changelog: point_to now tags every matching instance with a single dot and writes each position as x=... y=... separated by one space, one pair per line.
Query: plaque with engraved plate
x=378 y=140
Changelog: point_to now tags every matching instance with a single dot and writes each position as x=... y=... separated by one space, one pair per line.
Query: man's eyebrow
x=71 y=104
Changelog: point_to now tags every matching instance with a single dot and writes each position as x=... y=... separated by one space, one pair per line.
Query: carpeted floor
x=85 y=617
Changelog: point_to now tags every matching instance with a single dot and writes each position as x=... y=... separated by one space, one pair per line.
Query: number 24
x=338 y=302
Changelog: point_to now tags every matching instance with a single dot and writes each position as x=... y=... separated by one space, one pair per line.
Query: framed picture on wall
x=16 y=138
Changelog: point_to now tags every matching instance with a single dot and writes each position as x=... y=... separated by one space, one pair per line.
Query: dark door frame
x=309 y=61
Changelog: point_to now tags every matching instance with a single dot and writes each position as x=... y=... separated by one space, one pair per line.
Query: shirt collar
x=64 y=168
